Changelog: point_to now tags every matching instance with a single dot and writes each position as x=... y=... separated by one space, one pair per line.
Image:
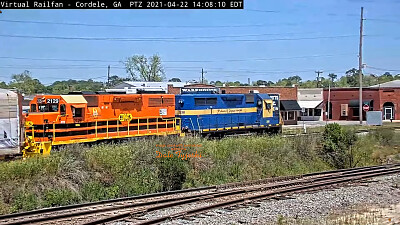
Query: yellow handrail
x=118 y=127
x=174 y=125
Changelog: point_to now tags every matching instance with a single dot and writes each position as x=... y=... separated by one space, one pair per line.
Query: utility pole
x=318 y=73
x=360 y=110
x=202 y=75
x=108 y=76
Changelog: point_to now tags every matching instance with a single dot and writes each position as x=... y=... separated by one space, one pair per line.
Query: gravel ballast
x=314 y=206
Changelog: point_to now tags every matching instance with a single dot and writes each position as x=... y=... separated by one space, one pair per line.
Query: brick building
x=286 y=93
x=344 y=102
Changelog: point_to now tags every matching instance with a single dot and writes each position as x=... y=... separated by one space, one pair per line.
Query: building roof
x=290 y=105
x=148 y=84
x=309 y=104
x=390 y=84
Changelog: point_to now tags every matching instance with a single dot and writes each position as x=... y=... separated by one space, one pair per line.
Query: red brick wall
x=286 y=93
x=344 y=95
x=173 y=90
x=391 y=95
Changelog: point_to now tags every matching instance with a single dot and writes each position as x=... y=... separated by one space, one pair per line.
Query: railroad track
x=201 y=199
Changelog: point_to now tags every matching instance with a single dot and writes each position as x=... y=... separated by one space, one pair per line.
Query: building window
x=317 y=112
x=291 y=115
x=356 y=112
x=310 y=112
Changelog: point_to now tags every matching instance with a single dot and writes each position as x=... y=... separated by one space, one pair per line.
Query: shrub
x=172 y=173
x=25 y=201
x=336 y=145
x=57 y=197
x=384 y=135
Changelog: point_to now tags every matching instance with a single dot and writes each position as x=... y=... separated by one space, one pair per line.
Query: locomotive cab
x=48 y=109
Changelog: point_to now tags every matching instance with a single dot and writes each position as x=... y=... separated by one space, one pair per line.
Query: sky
x=267 y=40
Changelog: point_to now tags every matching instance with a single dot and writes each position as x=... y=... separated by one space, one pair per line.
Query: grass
x=81 y=173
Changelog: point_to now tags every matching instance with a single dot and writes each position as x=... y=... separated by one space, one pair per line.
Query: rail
x=224 y=196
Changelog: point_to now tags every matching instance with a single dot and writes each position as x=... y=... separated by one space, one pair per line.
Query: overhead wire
x=163 y=26
x=383 y=69
x=181 y=61
x=172 y=40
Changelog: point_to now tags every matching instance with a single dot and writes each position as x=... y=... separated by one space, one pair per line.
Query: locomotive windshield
x=50 y=105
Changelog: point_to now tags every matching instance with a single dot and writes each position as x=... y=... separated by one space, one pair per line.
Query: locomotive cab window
x=268 y=106
x=33 y=108
x=53 y=108
x=205 y=101
x=62 y=109
x=77 y=112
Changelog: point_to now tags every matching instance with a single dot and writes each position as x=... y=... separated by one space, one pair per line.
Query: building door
x=388 y=113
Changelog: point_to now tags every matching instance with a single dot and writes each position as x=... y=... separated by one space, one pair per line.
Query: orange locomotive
x=76 y=118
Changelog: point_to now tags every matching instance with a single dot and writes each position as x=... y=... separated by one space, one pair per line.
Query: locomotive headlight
x=180 y=101
x=259 y=102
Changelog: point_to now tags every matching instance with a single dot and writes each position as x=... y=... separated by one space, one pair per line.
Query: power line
x=163 y=26
x=196 y=37
x=382 y=20
x=182 y=61
x=130 y=26
x=212 y=70
x=383 y=69
x=169 y=40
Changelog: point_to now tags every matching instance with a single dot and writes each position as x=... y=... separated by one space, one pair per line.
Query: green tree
x=25 y=83
x=369 y=80
x=115 y=80
x=218 y=83
x=287 y=82
x=308 y=84
x=263 y=82
x=65 y=86
x=352 y=76
x=145 y=69
x=174 y=80
x=386 y=77
x=332 y=76
x=3 y=85
x=233 y=84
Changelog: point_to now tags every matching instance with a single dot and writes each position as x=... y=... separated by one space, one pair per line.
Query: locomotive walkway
x=135 y=208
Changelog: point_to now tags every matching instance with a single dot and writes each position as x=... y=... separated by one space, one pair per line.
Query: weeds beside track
x=221 y=196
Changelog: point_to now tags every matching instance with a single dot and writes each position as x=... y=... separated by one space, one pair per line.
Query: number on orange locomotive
x=65 y=119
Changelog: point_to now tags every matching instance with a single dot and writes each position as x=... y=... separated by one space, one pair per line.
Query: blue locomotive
x=228 y=113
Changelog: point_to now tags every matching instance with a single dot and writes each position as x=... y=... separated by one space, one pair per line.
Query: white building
x=310 y=100
x=133 y=87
